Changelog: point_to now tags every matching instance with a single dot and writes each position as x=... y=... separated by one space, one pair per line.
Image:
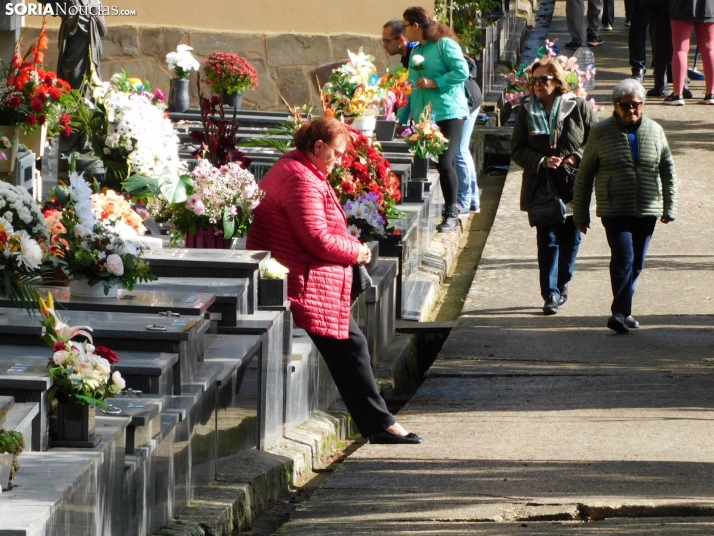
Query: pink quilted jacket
x=300 y=221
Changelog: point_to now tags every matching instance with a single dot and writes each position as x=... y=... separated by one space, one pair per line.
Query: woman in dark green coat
x=628 y=160
x=550 y=131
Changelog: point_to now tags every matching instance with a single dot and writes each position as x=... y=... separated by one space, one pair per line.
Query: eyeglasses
x=627 y=106
x=543 y=80
x=338 y=153
x=385 y=42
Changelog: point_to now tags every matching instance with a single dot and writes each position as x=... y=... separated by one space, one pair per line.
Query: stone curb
x=248 y=483
x=397 y=372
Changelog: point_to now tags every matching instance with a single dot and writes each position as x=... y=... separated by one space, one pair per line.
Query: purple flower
x=159 y=95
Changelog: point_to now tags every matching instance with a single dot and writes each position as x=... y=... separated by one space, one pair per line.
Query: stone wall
x=287 y=63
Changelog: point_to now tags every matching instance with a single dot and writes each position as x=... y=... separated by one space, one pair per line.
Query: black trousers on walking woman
x=351 y=369
x=448 y=178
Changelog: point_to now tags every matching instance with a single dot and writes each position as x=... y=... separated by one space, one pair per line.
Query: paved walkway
x=544 y=423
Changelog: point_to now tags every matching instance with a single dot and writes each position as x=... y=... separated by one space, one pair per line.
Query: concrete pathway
x=554 y=425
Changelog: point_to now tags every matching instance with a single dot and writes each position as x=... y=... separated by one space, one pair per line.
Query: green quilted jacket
x=623 y=188
x=575 y=118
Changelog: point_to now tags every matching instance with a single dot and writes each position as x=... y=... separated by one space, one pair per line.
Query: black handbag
x=361 y=280
x=546 y=207
x=564 y=180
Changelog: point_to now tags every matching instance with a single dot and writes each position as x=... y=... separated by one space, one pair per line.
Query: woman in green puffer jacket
x=628 y=160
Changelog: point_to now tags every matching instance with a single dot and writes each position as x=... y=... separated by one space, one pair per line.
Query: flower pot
x=385 y=130
x=233 y=100
x=178 y=95
x=72 y=424
x=8 y=466
x=207 y=238
x=81 y=289
x=272 y=291
x=35 y=142
x=420 y=168
x=365 y=124
x=12 y=133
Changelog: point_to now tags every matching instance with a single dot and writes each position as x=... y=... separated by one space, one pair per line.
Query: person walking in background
x=608 y=15
x=628 y=160
x=550 y=131
x=661 y=39
x=438 y=80
x=301 y=222
x=687 y=16
x=637 y=39
x=395 y=42
x=468 y=197
x=583 y=31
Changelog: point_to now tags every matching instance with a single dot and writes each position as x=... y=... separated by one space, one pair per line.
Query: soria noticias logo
x=71 y=10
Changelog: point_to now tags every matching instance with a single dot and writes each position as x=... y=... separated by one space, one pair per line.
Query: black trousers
x=349 y=364
x=637 y=38
x=608 y=12
x=448 y=179
x=661 y=40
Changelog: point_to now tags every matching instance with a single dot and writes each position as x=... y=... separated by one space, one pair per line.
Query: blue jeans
x=558 y=247
x=629 y=239
x=465 y=168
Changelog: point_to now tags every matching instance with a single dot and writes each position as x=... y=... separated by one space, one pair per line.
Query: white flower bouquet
x=182 y=62
x=81 y=371
x=23 y=243
x=354 y=89
x=95 y=244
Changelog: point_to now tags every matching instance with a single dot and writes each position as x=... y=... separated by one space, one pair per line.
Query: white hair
x=629 y=87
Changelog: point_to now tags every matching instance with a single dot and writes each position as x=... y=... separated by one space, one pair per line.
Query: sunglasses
x=627 y=106
x=543 y=80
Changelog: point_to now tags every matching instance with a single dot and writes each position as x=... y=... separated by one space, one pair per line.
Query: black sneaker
x=617 y=323
x=451 y=219
x=658 y=91
x=595 y=41
x=674 y=100
x=708 y=98
x=687 y=94
x=628 y=23
x=563 y=295
x=550 y=307
x=573 y=44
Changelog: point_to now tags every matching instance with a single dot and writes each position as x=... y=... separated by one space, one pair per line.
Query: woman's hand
x=553 y=162
x=365 y=254
x=582 y=228
x=573 y=160
x=427 y=83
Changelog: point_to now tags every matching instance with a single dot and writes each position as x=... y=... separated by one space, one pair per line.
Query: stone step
x=156 y=373
x=20 y=419
x=145 y=414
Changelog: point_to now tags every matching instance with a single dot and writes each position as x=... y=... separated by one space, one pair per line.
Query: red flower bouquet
x=30 y=96
x=229 y=73
x=367 y=188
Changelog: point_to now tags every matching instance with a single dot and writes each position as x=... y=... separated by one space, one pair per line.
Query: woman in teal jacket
x=439 y=79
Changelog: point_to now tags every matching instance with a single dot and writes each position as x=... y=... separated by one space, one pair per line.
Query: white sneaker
x=708 y=98
x=607 y=28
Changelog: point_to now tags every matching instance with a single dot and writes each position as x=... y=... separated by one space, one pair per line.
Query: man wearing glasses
x=395 y=42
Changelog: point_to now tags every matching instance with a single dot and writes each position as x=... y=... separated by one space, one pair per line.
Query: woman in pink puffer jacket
x=301 y=222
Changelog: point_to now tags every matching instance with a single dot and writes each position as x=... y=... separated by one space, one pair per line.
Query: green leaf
x=141 y=186
x=229 y=224
x=175 y=188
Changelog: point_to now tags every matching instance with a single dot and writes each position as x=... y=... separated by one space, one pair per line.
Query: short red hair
x=326 y=129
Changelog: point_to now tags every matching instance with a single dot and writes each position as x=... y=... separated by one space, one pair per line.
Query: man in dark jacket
x=395 y=42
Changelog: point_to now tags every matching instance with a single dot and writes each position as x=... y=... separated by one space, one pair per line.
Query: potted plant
x=11 y=445
x=28 y=96
x=354 y=91
x=425 y=141
x=397 y=88
x=24 y=241
x=272 y=288
x=82 y=375
x=96 y=240
x=181 y=62
x=229 y=75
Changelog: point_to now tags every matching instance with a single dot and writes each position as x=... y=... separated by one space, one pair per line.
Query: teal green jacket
x=449 y=99
x=623 y=188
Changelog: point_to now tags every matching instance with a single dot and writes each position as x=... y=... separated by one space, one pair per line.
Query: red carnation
x=107 y=353
x=36 y=105
x=67 y=131
x=41 y=119
x=14 y=101
x=31 y=119
x=59 y=346
x=55 y=93
x=64 y=120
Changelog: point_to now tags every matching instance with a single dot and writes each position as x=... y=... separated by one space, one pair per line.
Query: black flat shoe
x=388 y=438
x=617 y=323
